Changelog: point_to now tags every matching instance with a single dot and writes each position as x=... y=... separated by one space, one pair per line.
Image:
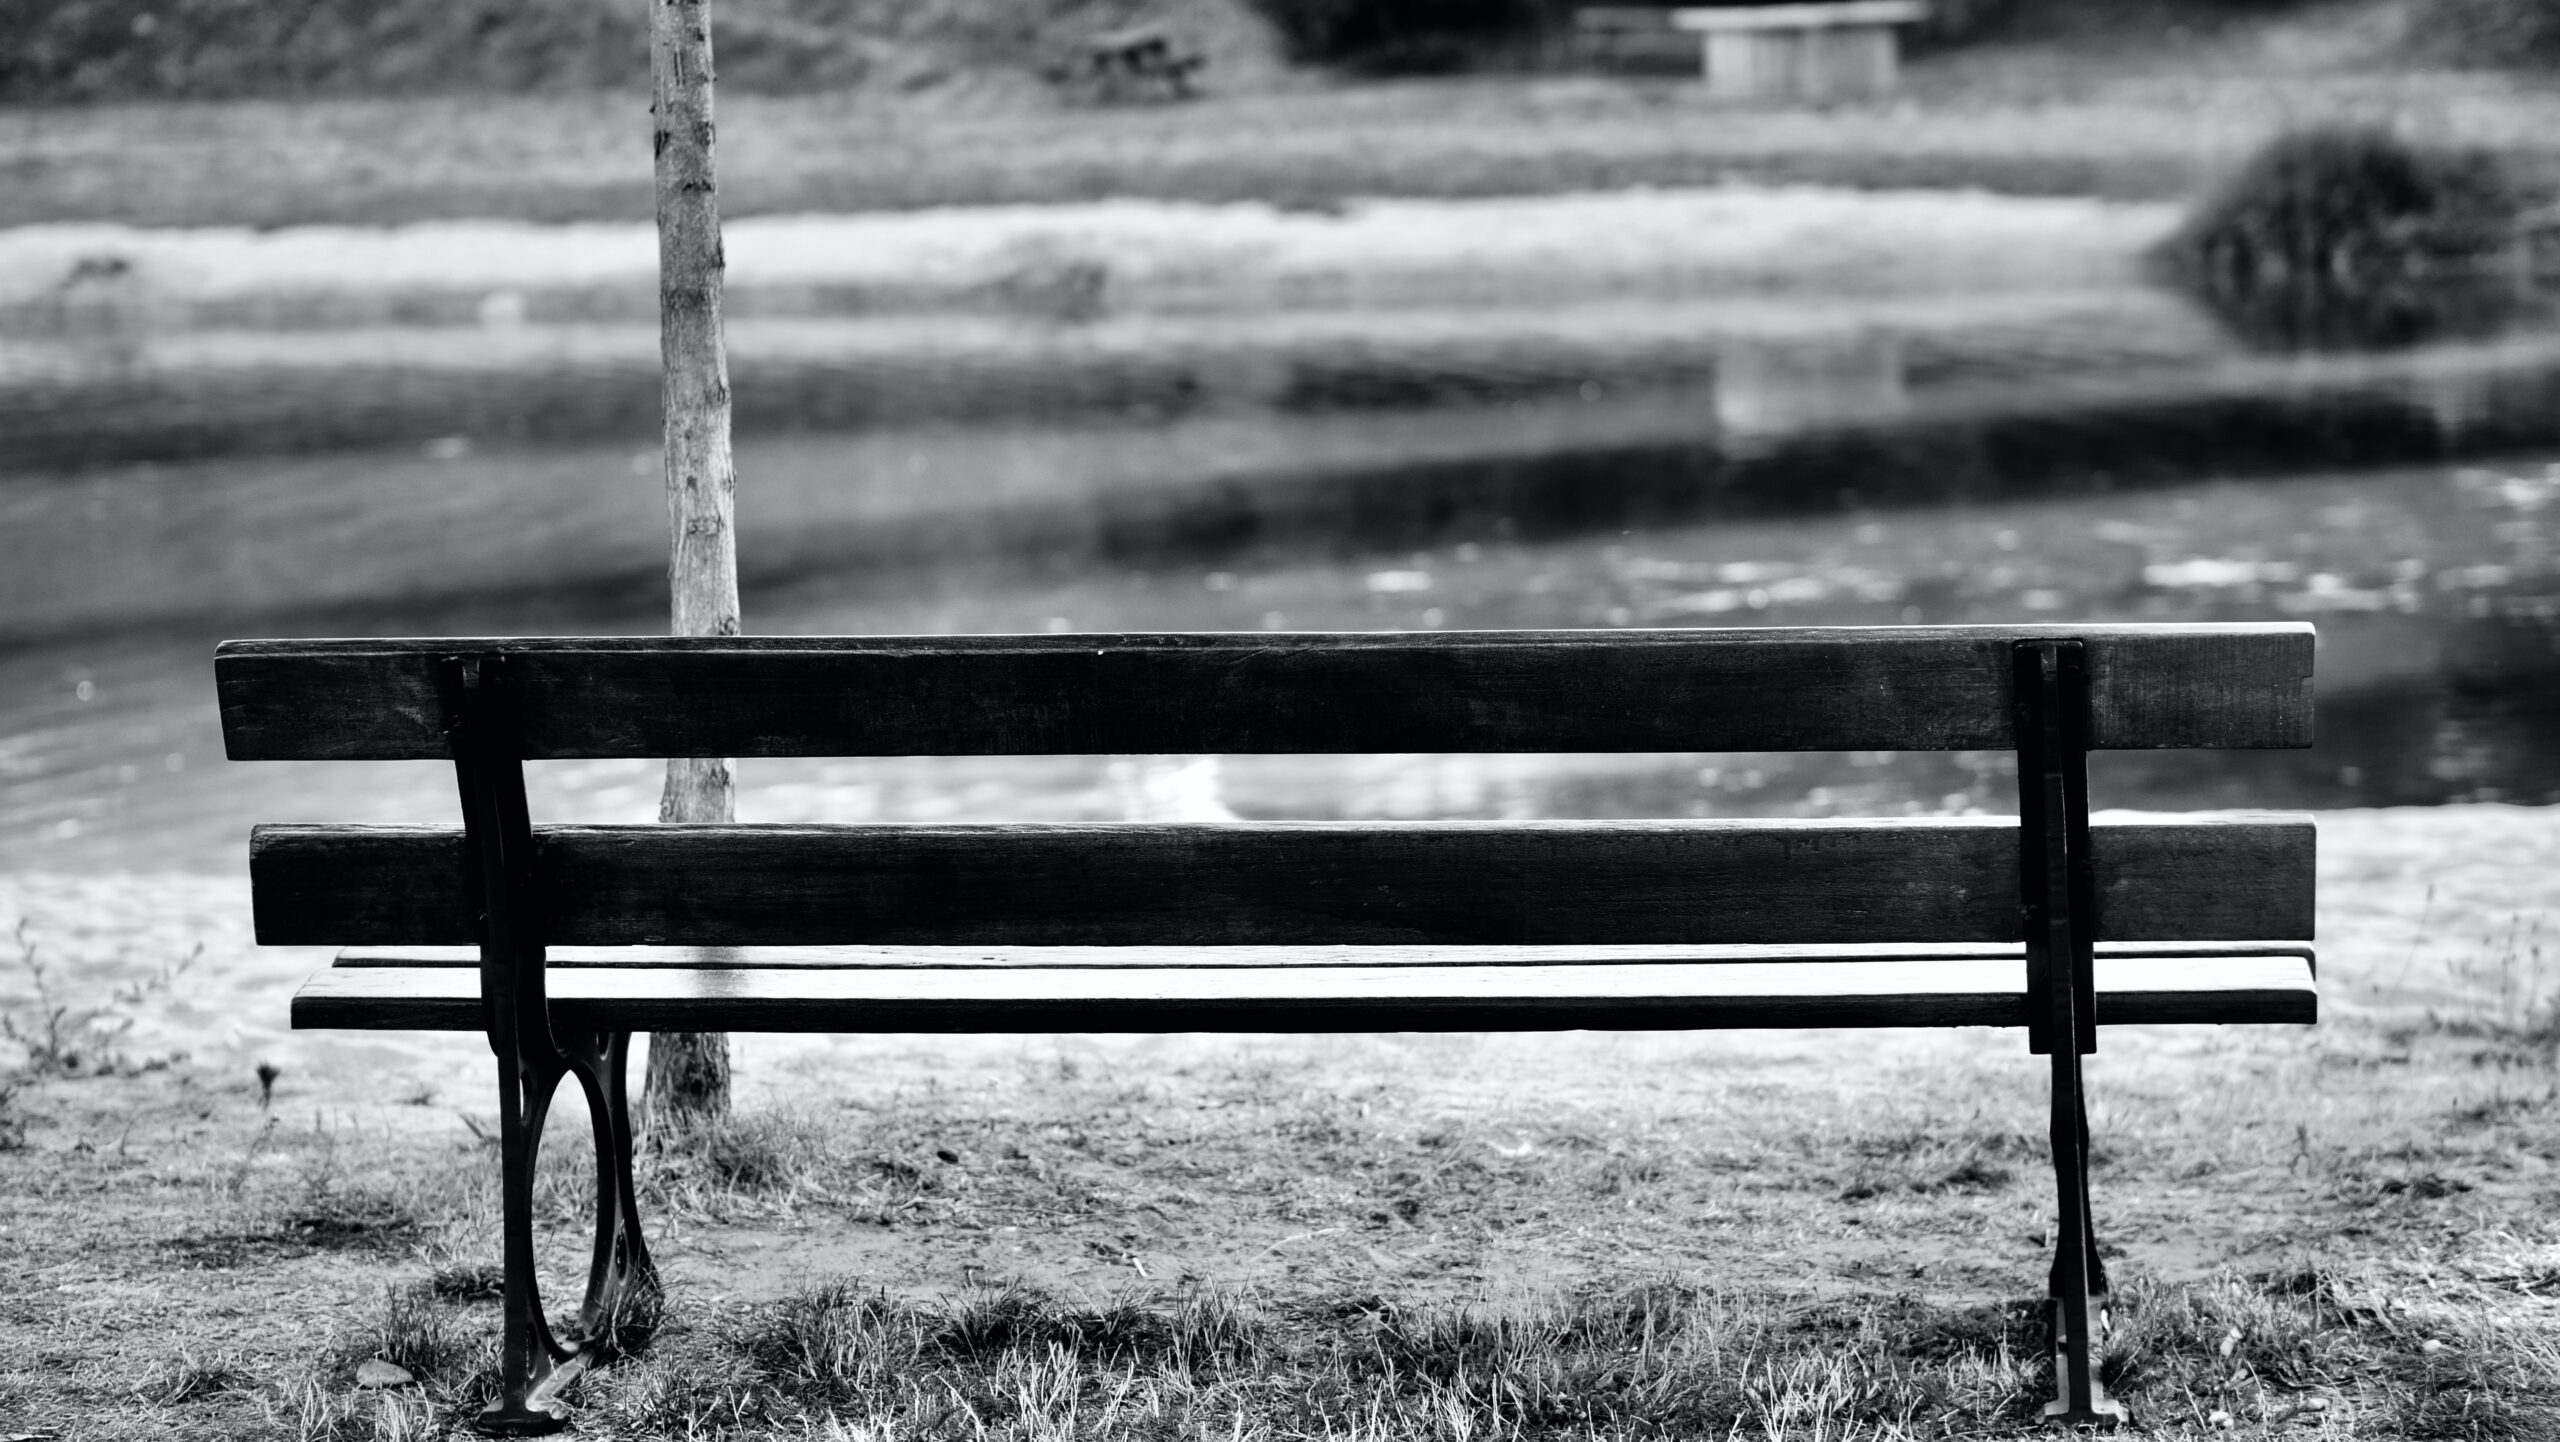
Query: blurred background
x=1122 y=315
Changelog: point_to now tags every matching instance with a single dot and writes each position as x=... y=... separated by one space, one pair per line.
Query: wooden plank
x=1797 y=689
x=1138 y=957
x=2199 y=878
x=1329 y=999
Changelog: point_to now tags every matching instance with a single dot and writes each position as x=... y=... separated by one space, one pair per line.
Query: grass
x=1653 y=1359
x=2139 y=114
x=2340 y=1233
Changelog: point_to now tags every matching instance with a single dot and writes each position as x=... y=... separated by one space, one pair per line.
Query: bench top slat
x=1793 y=689
x=2210 y=876
x=1333 y=999
x=1835 y=15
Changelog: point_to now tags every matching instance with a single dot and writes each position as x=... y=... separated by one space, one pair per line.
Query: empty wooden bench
x=1136 y=61
x=580 y=935
x=1631 y=37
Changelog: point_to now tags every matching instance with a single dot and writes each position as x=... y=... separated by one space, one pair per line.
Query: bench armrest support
x=2057 y=894
x=488 y=749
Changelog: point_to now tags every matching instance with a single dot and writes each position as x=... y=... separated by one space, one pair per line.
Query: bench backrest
x=1901 y=880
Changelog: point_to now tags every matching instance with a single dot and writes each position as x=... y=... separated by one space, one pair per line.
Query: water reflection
x=2390 y=316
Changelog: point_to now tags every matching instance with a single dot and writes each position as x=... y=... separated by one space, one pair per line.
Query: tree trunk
x=688 y=1078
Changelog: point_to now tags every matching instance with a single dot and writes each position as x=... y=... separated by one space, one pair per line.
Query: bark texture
x=688 y=1076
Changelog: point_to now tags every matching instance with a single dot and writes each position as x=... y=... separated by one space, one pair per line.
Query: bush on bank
x=2346 y=235
x=1403 y=35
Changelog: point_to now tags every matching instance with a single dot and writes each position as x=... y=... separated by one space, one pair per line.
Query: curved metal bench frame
x=622 y=1294
x=333 y=706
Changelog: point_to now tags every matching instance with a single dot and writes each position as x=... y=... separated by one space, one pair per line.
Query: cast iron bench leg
x=620 y=1307
x=2058 y=892
x=534 y=1365
x=2076 y=1292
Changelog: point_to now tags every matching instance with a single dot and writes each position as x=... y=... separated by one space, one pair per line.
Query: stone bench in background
x=1842 y=51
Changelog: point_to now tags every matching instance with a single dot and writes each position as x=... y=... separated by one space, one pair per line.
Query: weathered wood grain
x=2217 y=877
x=1805 y=689
x=1139 y=957
x=1331 y=999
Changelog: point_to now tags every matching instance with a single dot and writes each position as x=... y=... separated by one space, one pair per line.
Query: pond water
x=2080 y=453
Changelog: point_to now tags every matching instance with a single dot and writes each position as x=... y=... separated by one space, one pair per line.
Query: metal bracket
x=2058 y=908
x=497 y=840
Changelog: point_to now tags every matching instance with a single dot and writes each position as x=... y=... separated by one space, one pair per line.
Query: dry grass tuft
x=1660 y=1358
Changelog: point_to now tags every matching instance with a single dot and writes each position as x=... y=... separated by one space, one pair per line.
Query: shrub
x=2346 y=234
x=1397 y=35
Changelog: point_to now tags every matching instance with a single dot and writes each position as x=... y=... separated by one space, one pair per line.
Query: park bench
x=583 y=934
x=1631 y=37
x=1133 y=62
x=1833 y=50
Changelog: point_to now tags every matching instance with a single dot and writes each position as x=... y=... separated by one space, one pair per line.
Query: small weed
x=189 y=1377
x=1975 y=1175
x=2427 y=1186
x=410 y=1328
x=64 y=1039
x=727 y=1159
x=13 y=1124
x=1625 y=1174
x=56 y=1044
x=834 y=1342
x=699 y=1391
x=2477 y=1385
x=634 y=1320
x=2510 y=998
x=311 y=1410
x=2222 y=1339
x=468 y=1282
x=237 y=1180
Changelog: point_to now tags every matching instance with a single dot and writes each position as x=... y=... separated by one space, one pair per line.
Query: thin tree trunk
x=688 y=1077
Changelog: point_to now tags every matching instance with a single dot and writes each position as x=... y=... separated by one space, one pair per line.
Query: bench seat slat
x=859 y=958
x=2202 y=878
x=1796 y=689
x=1614 y=996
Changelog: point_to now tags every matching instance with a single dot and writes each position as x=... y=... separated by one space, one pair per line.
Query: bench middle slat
x=2197 y=878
